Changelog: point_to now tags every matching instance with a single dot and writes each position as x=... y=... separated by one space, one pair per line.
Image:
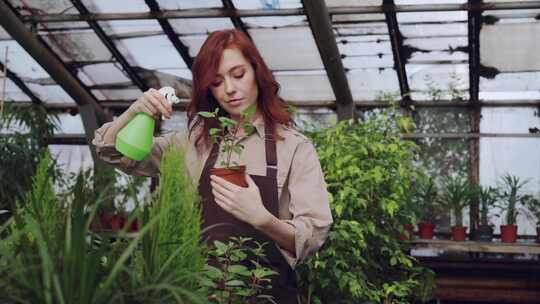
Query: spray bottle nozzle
x=170 y=95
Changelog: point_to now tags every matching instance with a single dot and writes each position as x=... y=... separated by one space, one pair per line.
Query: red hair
x=273 y=109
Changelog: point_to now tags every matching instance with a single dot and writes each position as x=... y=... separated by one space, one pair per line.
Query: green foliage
x=487 y=197
x=456 y=196
x=20 y=151
x=234 y=280
x=231 y=141
x=369 y=171
x=512 y=200
x=425 y=198
x=172 y=254
x=51 y=256
x=533 y=209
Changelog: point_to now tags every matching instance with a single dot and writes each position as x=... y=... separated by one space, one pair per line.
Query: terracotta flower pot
x=459 y=233
x=509 y=233
x=425 y=230
x=235 y=175
x=484 y=233
x=117 y=222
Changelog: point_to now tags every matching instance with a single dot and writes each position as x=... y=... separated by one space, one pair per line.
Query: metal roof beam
x=124 y=104
x=111 y=47
x=223 y=12
x=169 y=31
x=396 y=40
x=321 y=26
x=235 y=19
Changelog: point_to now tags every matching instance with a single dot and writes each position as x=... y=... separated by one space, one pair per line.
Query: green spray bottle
x=134 y=140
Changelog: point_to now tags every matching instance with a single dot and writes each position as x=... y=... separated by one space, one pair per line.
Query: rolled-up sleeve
x=309 y=204
x=149 y=166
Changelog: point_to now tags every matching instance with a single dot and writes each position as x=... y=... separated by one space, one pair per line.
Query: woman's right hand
x=153 y=103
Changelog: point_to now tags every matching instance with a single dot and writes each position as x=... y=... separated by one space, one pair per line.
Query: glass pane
x=508 y=82
x=200 y=25
x=266 y=4
x=261 y=22
x=19 y=62
x=70 y=124
x=188 y=4
x=108 y=6
x=151 y=52
x=298 y=50
x=40 y=6
x=12 y=91
x=441 y=81
x=141 y=27
x=331 y=3
x=119 y=94
x=194 y=43
x=501 y=156
x=509 y=120
x=368 y=84
x=364 y=45
x=77 y=46
x=103 y=73
x=498 y=47
x=421 y=17
x=305 y=87
x=72 y=158
x=442 y=120
x=50 y=93
x=429 y=1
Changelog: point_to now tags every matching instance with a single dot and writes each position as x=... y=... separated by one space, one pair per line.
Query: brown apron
x=283 y=286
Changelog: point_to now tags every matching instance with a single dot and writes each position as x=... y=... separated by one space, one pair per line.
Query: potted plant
x=533 y=207
x=230 y=135
x=487 y=197
x=455 y=196
x=511 y=201
x=427 y=207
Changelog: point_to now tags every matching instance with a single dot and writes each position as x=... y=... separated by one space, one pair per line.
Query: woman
x=286 y=202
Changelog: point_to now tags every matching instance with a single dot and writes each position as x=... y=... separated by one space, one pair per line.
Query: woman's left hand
x=243 y=203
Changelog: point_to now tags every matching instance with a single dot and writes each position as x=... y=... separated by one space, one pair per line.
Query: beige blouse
x=303 y=199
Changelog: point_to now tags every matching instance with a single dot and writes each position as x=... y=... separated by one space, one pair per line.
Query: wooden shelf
x=472 y=246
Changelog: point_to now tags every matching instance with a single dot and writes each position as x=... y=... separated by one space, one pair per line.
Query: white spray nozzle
x=170 y=95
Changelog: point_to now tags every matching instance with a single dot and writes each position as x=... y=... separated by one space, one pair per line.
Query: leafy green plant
x=369 y=171
x=456 y=195
x=51 y=256
x=172 y=255
x=234 y=280
x=488 y=197
x=532 y=204
x=426 y=197
x=230 y=140
x=20 y=150
x=512 y=200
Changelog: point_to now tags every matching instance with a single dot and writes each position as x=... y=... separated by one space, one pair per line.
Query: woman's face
x=235 y=87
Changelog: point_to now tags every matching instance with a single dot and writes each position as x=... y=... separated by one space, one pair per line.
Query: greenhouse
x=386 y=151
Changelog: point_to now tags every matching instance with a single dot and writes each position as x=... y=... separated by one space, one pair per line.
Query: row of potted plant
x=456 y=194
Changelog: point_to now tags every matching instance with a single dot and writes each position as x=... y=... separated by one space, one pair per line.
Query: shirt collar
x=258 y=123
